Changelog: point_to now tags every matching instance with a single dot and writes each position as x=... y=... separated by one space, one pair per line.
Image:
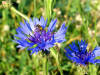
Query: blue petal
x=20 y=34
x=28 y=27
x=74 y=59
x=24 y=43
x=74 y=47
x=49 y=46
x=69 y=57
x=94 y=61
x=52 y=25
x=31 y=24
x=24 y=29
x=36 y=21
x=19 y=46
x=60 y=35
x=96 y=51
x=41 y=45
x=60 y=38
x=43 y=22
x=82 y=46
x=69 y=52
x=50 y=43
x=97 y=61
x=36 y=49
x=62 y=29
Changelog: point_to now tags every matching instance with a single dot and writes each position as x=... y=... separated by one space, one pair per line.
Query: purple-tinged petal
x=74 y=47
x=36 y=21
x=20 y=34
x=19 y=46
x=36 y=49
x=27 y=26
x=24 y=43
x=52 y=25
x=96 y=51
x=69 y=52
x=82 y=46
x=60 y=35
x=43 y=22
x=24 y=28
x=97 y=61
x=32 y=25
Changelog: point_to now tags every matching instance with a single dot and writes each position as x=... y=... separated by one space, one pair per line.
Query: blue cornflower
x=80 y=55
x=35 y=33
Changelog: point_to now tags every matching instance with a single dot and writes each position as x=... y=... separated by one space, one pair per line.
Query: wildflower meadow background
x=82 y=19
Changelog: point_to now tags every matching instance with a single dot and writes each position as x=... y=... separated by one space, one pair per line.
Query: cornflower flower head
x=35 y=33
x=80 y=55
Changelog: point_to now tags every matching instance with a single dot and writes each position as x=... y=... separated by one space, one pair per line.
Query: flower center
x=84 y=56
x=40 y=35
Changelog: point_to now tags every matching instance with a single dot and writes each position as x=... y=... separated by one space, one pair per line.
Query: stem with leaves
x=45 y=66
x=19 y=13
x=55 y=55
x=36 y=63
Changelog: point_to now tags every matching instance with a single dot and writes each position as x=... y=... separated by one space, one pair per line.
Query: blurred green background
x=82 y=18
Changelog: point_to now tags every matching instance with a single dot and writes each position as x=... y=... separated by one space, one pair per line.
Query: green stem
x=45 y=66
x=59 y=66
x=19 y=13
x=34 y=8
x=92 y=69
x=80 y=71
x=55 y=55
x=36 y=63
x=48 y=9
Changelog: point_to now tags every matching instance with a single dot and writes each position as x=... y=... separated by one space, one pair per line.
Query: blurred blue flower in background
x=80 y=55
x=36 y=33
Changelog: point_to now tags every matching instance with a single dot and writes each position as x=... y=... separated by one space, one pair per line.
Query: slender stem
x=92 y=69
x=19 y=13
x=58 y=64
x=80 y=71
x=48 y=9
x=45 y=66
x=36 y=62
x=35 y=8
x=55 y=55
